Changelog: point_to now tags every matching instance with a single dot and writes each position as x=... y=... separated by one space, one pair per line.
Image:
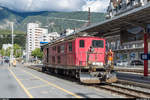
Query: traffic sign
x=145 y=56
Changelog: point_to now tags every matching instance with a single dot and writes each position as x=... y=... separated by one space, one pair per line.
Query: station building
x=127 y=44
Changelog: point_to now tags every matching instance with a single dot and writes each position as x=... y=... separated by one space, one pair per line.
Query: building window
x=58 y=49
x=70 y=46
x=98 y=43
x=59 y=59
x=81 y=43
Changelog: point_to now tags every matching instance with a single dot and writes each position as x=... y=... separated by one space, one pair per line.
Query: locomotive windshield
x=98 y=43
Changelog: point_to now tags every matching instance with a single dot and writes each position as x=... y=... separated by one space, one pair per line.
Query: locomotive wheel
x=43 y=69
x=56 y=71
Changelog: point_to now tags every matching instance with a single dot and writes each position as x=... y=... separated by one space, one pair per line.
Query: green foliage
x=37 y=53
x=6 y=38
x=2 y=52
x=44 y=18
x=8 y=52
x=17 y=51
x=6 y=32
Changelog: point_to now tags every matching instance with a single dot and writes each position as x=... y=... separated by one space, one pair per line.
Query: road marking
x=51 y=84
x=20 y=83
x=19 y=74
x=37 y=86
x=28 y=79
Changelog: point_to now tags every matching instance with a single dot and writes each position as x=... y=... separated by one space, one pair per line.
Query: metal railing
x=124 y=7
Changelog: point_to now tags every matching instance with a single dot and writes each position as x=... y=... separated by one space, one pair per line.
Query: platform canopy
x=135 y=17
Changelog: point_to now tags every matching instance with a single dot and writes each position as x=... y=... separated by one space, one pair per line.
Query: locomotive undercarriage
x=98 y=75
x=86 y=75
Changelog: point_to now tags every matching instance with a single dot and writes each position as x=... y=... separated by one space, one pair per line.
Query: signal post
x=145 y=52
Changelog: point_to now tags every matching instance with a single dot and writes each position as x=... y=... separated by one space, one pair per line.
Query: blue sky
x=55 y=5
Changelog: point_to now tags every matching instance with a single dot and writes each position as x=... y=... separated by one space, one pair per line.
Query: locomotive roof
x=71 y=37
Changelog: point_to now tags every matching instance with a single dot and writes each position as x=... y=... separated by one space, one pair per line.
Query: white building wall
x=34 y=37
x=5 y=46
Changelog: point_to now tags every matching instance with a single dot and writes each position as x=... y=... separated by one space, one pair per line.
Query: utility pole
x=89 y=17
x=12 y=50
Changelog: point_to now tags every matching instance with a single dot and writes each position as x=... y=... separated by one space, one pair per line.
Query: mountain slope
x=59 y=20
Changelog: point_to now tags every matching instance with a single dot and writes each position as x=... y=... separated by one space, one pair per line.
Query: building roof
x=136 y=17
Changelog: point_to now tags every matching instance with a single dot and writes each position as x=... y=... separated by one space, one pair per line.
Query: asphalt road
x=23 y=82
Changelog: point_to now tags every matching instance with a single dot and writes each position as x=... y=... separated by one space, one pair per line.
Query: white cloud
x=54 y=5
x=96 y=5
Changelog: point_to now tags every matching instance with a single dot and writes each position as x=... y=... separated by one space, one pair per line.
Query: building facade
x=117 y=7
x=35 y=35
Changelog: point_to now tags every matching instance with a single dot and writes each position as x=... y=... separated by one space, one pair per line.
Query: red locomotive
x=81 y=57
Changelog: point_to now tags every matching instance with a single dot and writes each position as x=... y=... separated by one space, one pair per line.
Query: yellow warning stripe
x=20 y=83
x=51 y=84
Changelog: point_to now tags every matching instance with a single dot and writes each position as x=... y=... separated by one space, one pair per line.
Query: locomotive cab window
x=70 y=46
x=81 y=43
x=98 y=43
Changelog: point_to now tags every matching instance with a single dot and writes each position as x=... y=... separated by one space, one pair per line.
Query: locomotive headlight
x=98 y=63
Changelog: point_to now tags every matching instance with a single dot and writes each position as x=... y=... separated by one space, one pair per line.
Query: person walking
x=14 y=62
x=110 y=56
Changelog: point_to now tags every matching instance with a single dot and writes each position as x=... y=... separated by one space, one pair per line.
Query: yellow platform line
x=28 y=79
x=51 y=84
x=20 y=83
x=37 y=86
x=19 y=74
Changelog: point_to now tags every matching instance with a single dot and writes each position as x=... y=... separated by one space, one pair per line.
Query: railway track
x=140 y=71
x=131 y=83
x=124 y=91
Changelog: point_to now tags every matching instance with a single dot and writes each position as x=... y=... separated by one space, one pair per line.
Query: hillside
x=6 y=38
x=60 y=19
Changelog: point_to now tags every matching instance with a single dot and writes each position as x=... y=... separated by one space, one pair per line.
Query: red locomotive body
x=74 y=52
x=75 y=56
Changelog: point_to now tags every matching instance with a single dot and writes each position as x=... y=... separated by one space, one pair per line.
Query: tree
x=37 y=53
x=17 y=51
x=2 y=52
x=8 y=51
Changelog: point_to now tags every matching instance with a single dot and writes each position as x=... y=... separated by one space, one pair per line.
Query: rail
x=131 y=83
x=121 y=90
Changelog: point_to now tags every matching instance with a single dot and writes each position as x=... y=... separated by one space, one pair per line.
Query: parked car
x=6 y=59
x=121 y=63
x=136 y=62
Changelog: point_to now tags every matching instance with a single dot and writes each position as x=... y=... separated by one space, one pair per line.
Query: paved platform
x=23 y=82
x=130 y=76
